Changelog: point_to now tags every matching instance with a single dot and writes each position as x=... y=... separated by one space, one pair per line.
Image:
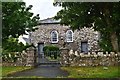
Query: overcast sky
x=43 y=7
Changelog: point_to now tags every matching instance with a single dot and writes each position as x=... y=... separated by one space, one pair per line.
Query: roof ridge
x=49 y=20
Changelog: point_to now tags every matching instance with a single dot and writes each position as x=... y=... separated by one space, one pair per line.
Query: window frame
x=52 y=41
x=68 y=35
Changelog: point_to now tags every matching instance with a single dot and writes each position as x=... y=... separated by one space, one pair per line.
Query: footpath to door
x=46 y=69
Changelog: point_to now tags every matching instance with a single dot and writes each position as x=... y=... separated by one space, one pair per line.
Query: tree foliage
x=104 y=16
x=16 y=18
x=12 y=45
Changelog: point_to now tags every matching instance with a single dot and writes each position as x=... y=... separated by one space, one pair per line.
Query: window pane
x=54 y=36
x=69 y=35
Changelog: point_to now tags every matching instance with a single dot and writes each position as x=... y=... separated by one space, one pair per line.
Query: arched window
x=69 y=36
x=54 y=36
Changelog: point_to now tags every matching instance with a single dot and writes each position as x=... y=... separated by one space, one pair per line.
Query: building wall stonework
x=43 y=34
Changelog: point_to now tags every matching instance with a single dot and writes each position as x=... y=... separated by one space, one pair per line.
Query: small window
x=54 y=36
x=69 y=36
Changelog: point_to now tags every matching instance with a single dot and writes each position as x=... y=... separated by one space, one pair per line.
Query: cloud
x=43 y=7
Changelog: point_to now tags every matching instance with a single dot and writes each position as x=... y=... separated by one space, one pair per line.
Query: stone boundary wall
x=70 y=58
x=26 y=58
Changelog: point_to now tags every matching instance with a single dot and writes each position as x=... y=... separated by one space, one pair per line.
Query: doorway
x=84 y=47
x=40 y=50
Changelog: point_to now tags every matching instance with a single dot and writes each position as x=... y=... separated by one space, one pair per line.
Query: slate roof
x=49 y=21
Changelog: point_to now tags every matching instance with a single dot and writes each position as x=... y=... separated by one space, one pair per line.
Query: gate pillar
x=64 y=57
x=31 y=56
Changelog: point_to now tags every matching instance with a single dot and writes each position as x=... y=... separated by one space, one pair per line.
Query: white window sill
x=55 y=42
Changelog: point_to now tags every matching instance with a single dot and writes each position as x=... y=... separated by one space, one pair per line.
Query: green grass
x=74 y=72
x=92 y=72
x=12 y=69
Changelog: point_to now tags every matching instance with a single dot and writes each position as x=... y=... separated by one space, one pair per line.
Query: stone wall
x=26 y=58
x=43 y=34
x=70 y=58
x=31 y=57
x=89 y=35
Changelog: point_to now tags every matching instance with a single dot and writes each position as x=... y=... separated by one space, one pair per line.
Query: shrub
x=51 y=50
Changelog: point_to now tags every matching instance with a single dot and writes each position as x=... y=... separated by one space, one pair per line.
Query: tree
x=12 y=45
x=16 y=18
x=104 y=16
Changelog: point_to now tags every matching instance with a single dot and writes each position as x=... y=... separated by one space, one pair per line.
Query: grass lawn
x=75 y=72
x=12 y=69
x=93 y=72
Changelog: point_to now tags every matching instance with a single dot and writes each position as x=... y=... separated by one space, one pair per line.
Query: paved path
x=47 y=71
x=42 y=71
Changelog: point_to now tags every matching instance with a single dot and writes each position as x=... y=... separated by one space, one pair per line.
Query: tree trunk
x=113 y=35
x=114 y=41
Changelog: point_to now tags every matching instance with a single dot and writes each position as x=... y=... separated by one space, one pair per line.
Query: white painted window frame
x=52 y=37
x=67 y=33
